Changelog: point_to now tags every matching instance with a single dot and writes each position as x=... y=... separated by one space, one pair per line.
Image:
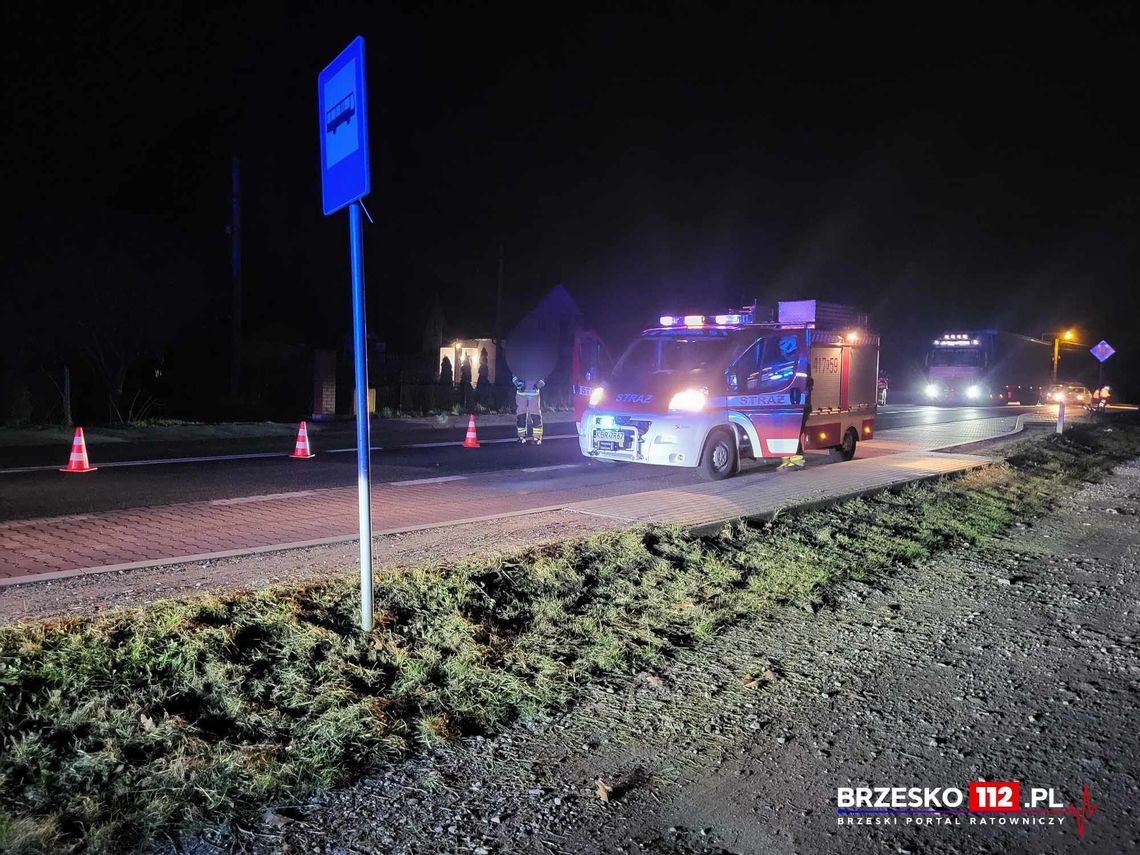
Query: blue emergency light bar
x=694 y=321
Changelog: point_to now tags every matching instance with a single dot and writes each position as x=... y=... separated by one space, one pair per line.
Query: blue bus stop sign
x=344 y=180
x=1102 y=350
x=344 y=129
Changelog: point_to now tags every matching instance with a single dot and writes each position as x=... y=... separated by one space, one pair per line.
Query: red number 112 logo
x=995 y=795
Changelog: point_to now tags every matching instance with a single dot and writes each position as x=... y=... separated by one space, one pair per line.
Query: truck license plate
x=609 y=440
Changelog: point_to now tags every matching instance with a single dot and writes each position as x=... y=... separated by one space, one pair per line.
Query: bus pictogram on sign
x=340 y=113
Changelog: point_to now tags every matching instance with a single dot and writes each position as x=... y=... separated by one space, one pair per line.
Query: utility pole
x=235 y=279
x=67 y=420
x=499 y=299
x=1067 y=335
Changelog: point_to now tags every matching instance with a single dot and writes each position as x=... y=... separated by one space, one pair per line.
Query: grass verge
x=154 y=720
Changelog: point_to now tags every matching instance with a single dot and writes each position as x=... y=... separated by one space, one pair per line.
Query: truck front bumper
x=662 y=440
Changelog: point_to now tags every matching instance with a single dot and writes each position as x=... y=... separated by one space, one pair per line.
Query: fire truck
x=711 y=390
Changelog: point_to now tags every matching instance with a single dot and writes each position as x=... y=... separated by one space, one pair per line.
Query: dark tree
x=465 y=391
x=483 y=385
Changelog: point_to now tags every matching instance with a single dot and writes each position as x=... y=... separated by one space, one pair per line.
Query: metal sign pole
x=363 y=440
x=342 y=110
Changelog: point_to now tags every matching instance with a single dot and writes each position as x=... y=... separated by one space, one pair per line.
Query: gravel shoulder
x=1018 y=662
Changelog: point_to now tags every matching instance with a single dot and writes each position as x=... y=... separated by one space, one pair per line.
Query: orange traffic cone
x=471 y=441
x=301 y=449
x=78 y=461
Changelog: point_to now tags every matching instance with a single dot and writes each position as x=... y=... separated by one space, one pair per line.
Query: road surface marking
x=268 y=497
x=485 y=441
x=552 y=468
x=264 y=454
x=439 y=480
x=158 y=462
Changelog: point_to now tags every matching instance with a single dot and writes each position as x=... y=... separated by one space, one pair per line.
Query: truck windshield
x=968 y=357
x=672 y=353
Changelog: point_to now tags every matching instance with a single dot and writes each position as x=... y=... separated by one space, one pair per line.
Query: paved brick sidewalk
x=60 y=546
x=932 y=437
x=147 y=536
x=716 y=503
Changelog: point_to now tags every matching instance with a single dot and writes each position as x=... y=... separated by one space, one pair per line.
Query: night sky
x=945 y=166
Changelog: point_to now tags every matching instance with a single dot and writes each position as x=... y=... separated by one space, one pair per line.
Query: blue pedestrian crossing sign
x=343 y=109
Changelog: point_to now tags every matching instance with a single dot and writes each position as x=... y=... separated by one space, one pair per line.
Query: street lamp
x=1067 y=335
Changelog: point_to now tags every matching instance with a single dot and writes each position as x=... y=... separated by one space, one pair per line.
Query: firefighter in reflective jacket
x=528 y=409
x=796 y=461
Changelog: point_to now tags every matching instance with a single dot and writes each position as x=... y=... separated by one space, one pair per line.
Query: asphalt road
x=421 y=455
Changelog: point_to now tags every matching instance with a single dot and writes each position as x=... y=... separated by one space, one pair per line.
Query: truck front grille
x=639 y=424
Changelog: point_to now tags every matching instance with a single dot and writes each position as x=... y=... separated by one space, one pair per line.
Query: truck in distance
x=984 y=367
x=711 y=390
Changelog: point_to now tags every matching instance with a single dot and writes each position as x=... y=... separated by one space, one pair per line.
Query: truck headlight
x=931 y=390
x=596 y=395
x=690 y=401
x=974 y=392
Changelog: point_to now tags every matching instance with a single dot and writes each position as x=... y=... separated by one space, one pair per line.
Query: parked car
x=1069 y=393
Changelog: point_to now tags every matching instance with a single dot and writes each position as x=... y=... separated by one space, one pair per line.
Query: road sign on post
x=1102 y=350
x=345 y=174
x=343 y=114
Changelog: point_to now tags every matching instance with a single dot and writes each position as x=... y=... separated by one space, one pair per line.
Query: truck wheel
x=847 y=450
x=719 y=459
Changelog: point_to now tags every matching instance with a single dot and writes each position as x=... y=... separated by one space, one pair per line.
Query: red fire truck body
x=712 y=390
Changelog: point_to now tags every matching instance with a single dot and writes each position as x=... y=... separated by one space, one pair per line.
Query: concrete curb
x=817 y=504
x=1018 y=427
